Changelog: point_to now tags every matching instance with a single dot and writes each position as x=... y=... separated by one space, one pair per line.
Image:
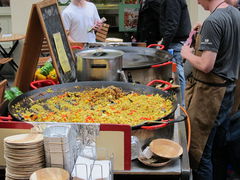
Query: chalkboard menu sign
x=45 y=21
x=52 y=23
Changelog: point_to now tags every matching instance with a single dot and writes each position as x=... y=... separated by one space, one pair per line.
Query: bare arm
x=69 y=37
x=204 y=63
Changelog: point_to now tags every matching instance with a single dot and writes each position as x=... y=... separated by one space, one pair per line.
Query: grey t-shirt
x=221 y=33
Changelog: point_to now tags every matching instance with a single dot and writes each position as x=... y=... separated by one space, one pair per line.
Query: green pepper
x=9 y=95
x=46 y=68
x=12 y=93
x=16 y=91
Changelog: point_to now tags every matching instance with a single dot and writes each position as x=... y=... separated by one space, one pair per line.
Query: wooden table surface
x=11 y=37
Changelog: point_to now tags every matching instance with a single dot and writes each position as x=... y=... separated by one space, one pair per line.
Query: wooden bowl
x=50 y=174
x=166 y=148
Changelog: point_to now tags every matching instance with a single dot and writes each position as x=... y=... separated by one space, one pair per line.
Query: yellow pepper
x=39 y=76
x=53 y=75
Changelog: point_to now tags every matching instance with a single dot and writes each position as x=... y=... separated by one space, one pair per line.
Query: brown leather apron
x=236 y=105
x=203 y=97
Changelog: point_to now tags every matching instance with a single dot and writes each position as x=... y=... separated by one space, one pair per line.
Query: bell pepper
x=52 y=75
x=12 y=93
x=45 y=70
x=9 y=95
x=16 y=91
x=39 y=76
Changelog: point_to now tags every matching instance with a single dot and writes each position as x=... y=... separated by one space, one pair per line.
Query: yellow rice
x=101 y=105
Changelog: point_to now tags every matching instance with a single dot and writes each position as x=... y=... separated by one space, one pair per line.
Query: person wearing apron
x=210 y=90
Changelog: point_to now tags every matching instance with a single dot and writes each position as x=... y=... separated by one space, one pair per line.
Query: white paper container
x=60 y=146
x=56 y=147
x=98 y=170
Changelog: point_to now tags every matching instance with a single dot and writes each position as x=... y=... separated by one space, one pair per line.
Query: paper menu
x=63 y=59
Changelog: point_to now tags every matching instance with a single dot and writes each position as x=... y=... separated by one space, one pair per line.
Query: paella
x=100 y=105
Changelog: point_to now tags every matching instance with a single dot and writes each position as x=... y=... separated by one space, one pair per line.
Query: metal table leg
x=6 y=54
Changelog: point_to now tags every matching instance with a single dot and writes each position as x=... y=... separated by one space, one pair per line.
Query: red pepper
x=112 y=108
x=89 y=119
x=33 y=117
x=145 y=118
x=131 y=113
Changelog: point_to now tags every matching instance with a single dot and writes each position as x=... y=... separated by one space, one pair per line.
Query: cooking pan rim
x=121 y=53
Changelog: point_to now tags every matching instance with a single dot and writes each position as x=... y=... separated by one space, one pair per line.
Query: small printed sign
x=63 y=59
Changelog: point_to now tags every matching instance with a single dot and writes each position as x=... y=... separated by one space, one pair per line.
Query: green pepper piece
x=16 y=91
x=8 y=94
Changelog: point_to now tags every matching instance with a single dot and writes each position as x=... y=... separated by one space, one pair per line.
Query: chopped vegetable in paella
x=101 y=105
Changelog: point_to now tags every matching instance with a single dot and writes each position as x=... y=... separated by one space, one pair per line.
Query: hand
x=160 y=42
x=197 y=26
x=98 y=26
x=186 y=51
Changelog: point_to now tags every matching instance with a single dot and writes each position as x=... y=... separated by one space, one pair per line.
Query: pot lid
x=100 y=53
x=141 y=57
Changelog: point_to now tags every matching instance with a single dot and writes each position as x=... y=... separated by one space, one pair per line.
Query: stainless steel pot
x=99 y=65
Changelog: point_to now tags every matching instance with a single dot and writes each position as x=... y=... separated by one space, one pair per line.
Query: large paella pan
x=123 y=103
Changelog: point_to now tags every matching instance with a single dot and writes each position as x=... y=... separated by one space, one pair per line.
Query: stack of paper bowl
x=24 y=154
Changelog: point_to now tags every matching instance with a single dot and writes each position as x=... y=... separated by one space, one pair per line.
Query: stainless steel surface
x=104 y=44
x=124 y=78
x=144 y=76
x=99 y=65
x=138 y=61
